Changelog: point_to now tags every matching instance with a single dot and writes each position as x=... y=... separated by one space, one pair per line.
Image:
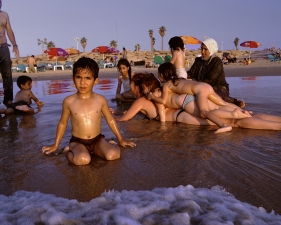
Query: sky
x=128 y=22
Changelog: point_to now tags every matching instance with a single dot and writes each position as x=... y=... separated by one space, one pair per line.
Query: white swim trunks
x=181 y=72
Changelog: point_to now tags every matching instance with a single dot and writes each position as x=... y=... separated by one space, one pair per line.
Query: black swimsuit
x=182 y=110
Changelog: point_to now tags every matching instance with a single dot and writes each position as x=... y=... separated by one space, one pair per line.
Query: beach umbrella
x=105 y=49
x=190 y=40
x=250 y=44
x=71 y=51
x=58 y=58
x=56 y=52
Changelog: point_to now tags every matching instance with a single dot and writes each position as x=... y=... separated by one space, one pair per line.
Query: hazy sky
x=128 y=22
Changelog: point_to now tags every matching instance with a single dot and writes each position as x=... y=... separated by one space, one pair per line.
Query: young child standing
x=85 y=109
x=124 y=80
x=23 y=98
x=178 y=56
x=202 y=92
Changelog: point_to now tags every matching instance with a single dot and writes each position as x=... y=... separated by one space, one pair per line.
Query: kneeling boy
x=85 y=109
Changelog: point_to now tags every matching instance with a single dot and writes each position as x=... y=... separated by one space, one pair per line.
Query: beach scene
x=177 y=173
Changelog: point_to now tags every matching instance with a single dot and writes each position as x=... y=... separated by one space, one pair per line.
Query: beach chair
x=167 y=58
x=158 y=60
x=272 y=58
x=68 y=65
x=58 y=66
x=21 y=68
x=41 y=67
x=101 y=64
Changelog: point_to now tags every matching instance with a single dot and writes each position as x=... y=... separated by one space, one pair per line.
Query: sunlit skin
x=5 y=26
x=85 y=109
x=257 y=121
x=26 y=94
x=202 y=91
x=126 y=95
x=123 y=69
x=205 y=52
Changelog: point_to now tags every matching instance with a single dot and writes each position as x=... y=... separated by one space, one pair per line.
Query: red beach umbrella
x=101 y=49
x=105 y=49
x=250 y=44
x=56 y=52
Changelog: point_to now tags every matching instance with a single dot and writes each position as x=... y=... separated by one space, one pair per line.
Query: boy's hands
x=40 y=104
x=49 y=149
x=125 y=143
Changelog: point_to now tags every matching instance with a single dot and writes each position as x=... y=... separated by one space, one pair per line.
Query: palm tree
x=137 y=47
x=150 y=32
x=83 y=42
x=236 y=42
x=51 y=44
x=113 y=44
x=153 y=43
x=162 y=31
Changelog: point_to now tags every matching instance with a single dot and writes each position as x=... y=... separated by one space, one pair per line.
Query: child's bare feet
x=23 y=108
x=66 y=149
x=237 y=113
x=223 y=129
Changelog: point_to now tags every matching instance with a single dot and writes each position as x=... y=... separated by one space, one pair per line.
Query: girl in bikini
x=188 y=91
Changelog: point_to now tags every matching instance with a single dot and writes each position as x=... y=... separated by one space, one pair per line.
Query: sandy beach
x=260 y=68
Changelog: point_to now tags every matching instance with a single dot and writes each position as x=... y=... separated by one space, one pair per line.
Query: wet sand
x=245 y=162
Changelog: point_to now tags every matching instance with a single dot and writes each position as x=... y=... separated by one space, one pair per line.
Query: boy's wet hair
x=85 y=63
x=125 y=62
x=176 y=42
x=22 y=80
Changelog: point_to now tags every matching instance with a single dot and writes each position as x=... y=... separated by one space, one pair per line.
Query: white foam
x=178 y=206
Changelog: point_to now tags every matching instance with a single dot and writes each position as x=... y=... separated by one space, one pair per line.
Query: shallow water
x=244 y=162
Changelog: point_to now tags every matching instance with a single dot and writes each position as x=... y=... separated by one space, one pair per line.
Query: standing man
x=31 y=62
x=5 y=59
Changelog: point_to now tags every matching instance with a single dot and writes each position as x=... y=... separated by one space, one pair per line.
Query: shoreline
x=231 y=70
x=235 y=70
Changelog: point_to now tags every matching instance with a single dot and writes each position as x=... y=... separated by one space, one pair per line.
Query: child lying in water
x=188 y=91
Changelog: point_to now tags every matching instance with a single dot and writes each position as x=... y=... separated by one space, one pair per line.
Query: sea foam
x=179 y=206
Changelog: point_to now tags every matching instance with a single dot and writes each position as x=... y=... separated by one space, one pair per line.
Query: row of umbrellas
x=192 y=40
x=61 y=54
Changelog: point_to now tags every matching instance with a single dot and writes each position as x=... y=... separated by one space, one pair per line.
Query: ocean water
x=177 y=174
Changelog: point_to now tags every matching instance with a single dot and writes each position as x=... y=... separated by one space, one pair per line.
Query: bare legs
x=78 y=154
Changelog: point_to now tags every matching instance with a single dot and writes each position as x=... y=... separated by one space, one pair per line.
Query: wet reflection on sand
x=245 y=162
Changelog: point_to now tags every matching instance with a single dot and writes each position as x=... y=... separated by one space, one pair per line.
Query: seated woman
x=209 y=69
x=149 y=109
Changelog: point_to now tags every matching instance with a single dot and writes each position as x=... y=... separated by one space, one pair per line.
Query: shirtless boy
x=23 y=98
x=31 y=62
x=85 y=109
x=5 y=59
x=177 y=47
